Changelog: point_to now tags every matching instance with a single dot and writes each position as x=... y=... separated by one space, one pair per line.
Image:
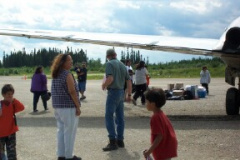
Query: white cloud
x=203 y=18
x=200 y=7
x=128 y=4
x=163 y=31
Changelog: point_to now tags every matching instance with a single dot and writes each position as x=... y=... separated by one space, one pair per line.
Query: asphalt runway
x=203 y=129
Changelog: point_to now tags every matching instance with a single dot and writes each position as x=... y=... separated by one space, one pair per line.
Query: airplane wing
x=198 y=46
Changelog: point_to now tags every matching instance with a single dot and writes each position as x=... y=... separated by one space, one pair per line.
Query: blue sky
x=187 y=18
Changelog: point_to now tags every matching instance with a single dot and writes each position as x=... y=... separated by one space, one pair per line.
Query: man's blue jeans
x=115 y=104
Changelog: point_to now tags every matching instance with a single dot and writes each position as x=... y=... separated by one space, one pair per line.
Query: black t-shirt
x=82 y=78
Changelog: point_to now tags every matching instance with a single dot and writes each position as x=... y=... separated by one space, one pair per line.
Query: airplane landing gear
x=233 y=100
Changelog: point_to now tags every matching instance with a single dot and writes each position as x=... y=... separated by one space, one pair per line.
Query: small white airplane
x=227 y=48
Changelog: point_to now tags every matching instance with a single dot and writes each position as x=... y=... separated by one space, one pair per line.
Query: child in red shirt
x=8 y=126
x=163 y=137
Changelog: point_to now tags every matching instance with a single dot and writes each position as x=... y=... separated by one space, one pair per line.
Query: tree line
x=22 y=62
x=42 y=57
x=45 y=57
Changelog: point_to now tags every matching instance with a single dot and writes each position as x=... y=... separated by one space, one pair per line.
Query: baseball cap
x=110 y=52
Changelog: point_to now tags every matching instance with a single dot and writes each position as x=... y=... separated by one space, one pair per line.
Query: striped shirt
x=60 y=95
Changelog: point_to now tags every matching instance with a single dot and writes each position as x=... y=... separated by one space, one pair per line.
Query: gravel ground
x=203 y=129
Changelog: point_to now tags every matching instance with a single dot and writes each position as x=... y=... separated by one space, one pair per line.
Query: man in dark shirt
x=82 y=79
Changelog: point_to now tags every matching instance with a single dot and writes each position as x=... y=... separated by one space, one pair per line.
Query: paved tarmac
x=202 y=127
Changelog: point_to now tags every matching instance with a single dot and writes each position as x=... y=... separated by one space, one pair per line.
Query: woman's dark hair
x=157 y=96
x=38 y=69
x=57 y=64
x=7 y=88
x=127 y=61
x=140 y=65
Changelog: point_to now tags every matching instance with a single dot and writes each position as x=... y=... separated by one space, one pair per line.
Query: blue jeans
x=3 y=156
x=82 y=86
x=115 y=104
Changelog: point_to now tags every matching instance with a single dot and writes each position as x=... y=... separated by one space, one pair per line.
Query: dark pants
x=205 y=85
x=10 y=142
x=36 y=95
x=140 y=89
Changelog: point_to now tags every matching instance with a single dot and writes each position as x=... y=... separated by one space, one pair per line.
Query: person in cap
x=116 y=75
x=82 y=79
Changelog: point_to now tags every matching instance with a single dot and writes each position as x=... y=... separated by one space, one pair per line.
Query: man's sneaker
x=134 y=102
x=83 y=97
x=111 y=146
x=120 y=143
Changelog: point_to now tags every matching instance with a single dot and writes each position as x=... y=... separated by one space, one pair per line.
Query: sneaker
x=46 y=109
x=111 y=146
x=134 y=102
x=83 y=97
x=74 y=158
x=120 y=143
x=61 y=158
x=35 y=111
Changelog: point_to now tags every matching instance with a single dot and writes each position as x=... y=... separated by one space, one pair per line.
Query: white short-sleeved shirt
x=129 y=68
x=140 y=76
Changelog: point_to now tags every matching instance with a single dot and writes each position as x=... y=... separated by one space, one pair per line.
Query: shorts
x=82 y=86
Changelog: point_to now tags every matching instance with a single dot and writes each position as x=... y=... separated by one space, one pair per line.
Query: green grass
x=155 y=72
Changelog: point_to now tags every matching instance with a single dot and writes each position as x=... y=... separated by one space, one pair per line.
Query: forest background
x=24 y=64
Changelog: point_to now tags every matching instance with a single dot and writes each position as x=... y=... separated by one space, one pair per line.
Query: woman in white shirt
x=140 y=82
x=205 y=78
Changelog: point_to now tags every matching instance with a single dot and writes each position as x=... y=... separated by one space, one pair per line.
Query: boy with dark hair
x=8 y=123
x=163 y=137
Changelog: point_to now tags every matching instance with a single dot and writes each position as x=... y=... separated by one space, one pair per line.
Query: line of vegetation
x=22 y=63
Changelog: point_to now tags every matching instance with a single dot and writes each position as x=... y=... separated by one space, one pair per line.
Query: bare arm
x=73 y=93
x=129 y=90
x=108 y=81
x=156 y=142
x=18 y=106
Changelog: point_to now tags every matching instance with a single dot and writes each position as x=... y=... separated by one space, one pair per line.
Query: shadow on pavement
x=183 y=122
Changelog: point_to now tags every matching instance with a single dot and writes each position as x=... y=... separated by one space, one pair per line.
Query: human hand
x=104 y=87
x=146 y=153
x=78 y=111
x=129 y=98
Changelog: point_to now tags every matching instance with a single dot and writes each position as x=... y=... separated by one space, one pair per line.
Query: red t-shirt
x=7 y=123
x=167 y=148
